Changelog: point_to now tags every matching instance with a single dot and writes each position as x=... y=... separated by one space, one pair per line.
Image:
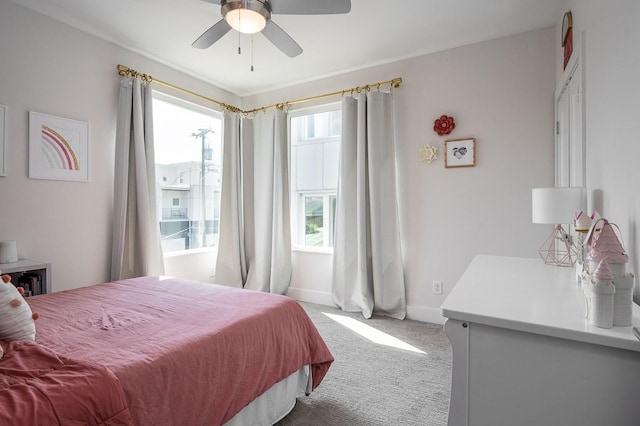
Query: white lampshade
x=557 y=205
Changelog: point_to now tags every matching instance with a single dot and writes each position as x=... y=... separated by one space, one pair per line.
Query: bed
x=162 y=351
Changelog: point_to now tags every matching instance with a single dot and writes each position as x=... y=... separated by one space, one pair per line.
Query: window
x=188 y=150
x=315 y=148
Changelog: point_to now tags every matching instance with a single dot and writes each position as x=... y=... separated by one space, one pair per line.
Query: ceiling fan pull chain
x=239 y=50
x=251 y=52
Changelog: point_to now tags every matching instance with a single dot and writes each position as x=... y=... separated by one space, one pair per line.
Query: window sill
x=319 y=250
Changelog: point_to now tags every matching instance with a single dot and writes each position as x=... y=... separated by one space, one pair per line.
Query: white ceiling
x=374 y=32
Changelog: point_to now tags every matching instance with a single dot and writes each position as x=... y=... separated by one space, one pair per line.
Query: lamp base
x=557 y=249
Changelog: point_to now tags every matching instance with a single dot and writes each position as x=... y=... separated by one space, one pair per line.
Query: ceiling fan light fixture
x=246 y=16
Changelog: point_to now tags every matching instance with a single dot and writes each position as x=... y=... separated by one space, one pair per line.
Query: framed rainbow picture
x=58 y=148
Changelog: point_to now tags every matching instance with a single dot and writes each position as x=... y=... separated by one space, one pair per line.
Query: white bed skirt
x=277 y=402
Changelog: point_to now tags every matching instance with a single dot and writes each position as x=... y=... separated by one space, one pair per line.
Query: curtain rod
x=126 y=71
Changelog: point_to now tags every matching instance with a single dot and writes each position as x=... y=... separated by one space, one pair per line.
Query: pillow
x=17 y=321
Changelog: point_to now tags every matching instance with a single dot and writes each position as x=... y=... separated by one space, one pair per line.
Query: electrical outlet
x=437 y=287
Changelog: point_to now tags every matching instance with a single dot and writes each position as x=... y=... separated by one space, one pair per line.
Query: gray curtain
x=255 y=236
x=368 y=275
x=231 y=263
x=136 y=249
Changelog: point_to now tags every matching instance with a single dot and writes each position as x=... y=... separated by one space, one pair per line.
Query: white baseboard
x=311 y=296
x=416 y=313
x=425 y=314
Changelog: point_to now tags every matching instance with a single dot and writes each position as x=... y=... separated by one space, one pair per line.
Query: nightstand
x=33 y=275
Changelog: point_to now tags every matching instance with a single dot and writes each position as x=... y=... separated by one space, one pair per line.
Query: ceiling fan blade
x=212 y=1
x=281 y=39
x=310 y=7
x=212 y=35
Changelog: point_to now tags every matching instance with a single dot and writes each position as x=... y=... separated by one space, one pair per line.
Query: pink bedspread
x=38 y=387
x=185 y=352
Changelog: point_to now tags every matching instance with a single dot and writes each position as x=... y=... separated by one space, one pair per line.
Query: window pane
x=188 y=153
x=316 y=126
x=310 y=132
x=315 y=149
x=335 y=123
x=309 y=167
x=314 y=211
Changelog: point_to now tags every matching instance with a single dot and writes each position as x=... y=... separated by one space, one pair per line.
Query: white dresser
x=524 y=354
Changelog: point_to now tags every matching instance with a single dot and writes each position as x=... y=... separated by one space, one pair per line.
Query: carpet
x=402 y=377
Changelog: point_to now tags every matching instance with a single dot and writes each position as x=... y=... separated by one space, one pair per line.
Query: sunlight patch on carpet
x=370 y=333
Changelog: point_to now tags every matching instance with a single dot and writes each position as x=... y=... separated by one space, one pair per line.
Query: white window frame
x=327 y=218
x=203 y=110
x=298 y=219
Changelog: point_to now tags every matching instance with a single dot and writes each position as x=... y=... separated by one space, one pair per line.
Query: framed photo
x=58 y=148
x=460 y=152
x=3 y=140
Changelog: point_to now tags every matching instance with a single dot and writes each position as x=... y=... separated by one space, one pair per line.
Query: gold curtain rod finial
x=126 y=71
x=122 y=70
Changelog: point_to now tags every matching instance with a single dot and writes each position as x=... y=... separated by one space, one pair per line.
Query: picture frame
x=460 y=153
x=58 y=148
x=3 y=140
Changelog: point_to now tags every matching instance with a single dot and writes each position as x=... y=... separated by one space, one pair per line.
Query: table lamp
x=557 y=206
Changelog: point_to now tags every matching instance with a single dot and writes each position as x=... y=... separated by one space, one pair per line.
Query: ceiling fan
x=253 y=16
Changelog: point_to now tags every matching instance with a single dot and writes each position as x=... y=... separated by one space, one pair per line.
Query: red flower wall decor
x=444 y=125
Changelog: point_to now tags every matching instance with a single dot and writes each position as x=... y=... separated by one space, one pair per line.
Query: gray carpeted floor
x=374 y=384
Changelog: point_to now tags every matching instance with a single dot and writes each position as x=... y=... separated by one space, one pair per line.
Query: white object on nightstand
x=8 y=251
